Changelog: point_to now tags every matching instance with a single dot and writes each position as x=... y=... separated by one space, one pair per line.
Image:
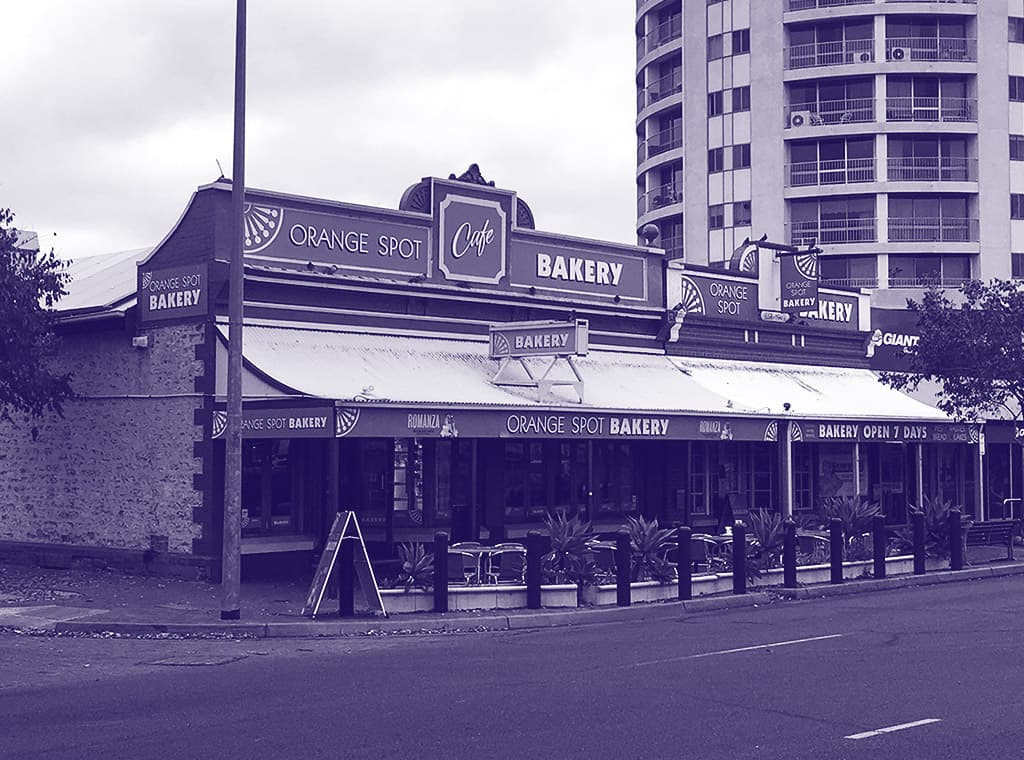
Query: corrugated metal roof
x=419 y=370
x=105 y=280
x=811 y=391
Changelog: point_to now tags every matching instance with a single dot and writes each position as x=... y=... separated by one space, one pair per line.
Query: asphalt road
x=912 y=673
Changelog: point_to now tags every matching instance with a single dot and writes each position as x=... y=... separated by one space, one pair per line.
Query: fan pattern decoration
x=691 y=300
x=500 y=345
x=807 y=265
x=796 y=433
x=771 y=432
x=260 y=225
x=345 y=421
x=220 y=423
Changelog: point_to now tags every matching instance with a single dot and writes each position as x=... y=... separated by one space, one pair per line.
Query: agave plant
x=417 y=567
x=569 y=560
x=767 y=530
x=936 y=525
x=648 y=546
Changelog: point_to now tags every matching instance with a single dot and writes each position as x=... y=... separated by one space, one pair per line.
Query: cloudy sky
x=116 y=110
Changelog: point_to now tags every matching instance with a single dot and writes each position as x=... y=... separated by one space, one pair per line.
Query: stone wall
x=118 y=471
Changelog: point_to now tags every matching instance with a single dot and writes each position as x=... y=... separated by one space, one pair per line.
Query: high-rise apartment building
x=888 y=132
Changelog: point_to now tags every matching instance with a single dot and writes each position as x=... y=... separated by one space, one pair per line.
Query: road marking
x=740 y=649
x=890 y=729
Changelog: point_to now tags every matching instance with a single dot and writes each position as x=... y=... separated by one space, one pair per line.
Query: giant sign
x=894 y=334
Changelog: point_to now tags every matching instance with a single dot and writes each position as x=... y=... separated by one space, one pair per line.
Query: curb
x=527 y=620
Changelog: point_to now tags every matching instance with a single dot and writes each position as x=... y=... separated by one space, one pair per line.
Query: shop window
x=267 y=503
x=614 y=480
x=698 y=492
x=407 y=482
x=803 y=479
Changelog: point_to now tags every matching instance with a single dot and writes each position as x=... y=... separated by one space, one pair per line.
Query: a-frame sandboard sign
x=345 y=528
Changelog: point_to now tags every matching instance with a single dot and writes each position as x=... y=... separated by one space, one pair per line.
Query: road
x=912 y=673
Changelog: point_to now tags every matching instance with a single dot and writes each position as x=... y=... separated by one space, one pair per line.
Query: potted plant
x=649 y=546
x=767 y=532
x=569 y=560
x=417 y=568
x=856 y=514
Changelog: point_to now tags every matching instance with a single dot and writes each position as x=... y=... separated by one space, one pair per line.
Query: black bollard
x=878 y=542
x=623 y=569
x=917 y=520
x=956 y=545
x=534 y=551
x=346 y=578
x=685 y=567
x=835 y=548
x=440 y=571
x=789 y=553
x=739 y=558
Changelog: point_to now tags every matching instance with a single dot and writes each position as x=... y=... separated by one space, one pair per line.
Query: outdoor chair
x=507 y=564
x=463 y=568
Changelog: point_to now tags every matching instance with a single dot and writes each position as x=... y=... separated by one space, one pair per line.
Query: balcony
x=837 y=172
x=659 y=89
x=806 y=5
x=923 y=229
x=964 y=2
x=659 y=142
x=833 y=231
x=657 y=198
x=848 y=282
x=829 y=54
x=926 y=281
x=931 y=49
x=666 y=31
x=828 y=112
x=673 y=245
x=945 y=110
x=933 y=169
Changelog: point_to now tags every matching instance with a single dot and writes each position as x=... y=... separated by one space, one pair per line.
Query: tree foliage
x=973 y=348
x=31 y=283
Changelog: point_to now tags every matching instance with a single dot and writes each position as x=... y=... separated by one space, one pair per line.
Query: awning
x=400 y=370
x=811 y=392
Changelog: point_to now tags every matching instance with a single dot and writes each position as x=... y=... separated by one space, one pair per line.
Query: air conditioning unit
x=898 y=54
x=800 y=118
x=864 y=57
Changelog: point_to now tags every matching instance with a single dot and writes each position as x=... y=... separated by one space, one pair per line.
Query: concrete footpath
x=84 y=602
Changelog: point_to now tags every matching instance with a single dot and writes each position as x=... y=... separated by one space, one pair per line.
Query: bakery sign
x=174 y=293
x=543 y=338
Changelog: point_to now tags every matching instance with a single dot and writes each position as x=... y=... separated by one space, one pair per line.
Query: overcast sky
x=116 y=110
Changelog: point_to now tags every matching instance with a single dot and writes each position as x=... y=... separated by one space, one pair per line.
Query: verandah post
x=835 y=538
x=440 y=571
x=685 y=562
x=534 y=550
x=789 y=553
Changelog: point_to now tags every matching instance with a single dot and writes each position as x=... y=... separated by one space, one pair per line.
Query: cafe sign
x=472 y=239
x=545 y=338
x=175 y=293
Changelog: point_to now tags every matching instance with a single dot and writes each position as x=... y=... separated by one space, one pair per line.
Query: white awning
x=348 y=366
x=811 y=392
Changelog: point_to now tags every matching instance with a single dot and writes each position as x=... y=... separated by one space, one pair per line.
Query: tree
x=973 y=349
x=31 y=283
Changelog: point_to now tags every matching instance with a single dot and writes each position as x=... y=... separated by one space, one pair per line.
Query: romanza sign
x=544 y=338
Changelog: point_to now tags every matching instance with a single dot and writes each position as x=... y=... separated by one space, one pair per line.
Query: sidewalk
x=95 y=602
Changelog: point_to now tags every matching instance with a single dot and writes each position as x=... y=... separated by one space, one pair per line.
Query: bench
x=991 y=533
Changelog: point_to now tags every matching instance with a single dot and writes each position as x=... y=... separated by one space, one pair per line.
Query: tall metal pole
x=231 y=564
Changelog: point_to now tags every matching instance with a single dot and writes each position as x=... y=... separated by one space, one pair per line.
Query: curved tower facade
x=888 y=132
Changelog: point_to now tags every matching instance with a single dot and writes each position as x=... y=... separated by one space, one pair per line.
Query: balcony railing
x=833 y=231
x=848 y=282
x=659 y=142
x=806 y=5
x=948 y=110
x=666 y=31
x=926 y=280
x=660 y=88
x=933 y=169
x=837 y=172
x=826 y=112
x=673 y=245
x=924 y=229
x=965 y=2
x=956 y=49
x=657 y=198
x=830 y=54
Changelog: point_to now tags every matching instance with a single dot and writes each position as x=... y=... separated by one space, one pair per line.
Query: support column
x=979 y=479
x=333 y=476
x=786 y=468
x=918 y=462
x=856 y=468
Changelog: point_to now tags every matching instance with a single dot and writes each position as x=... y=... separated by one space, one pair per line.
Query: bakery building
x=447 y=366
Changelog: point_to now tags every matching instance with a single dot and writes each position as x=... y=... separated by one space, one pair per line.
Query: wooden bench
x=991 y=533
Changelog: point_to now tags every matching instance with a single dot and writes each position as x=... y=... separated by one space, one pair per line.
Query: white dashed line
x=739 y=649
x=890 y=729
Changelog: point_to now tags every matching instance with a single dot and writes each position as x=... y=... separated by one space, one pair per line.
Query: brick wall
x=118 y=471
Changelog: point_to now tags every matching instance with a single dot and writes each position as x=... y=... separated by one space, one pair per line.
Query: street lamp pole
x=231 y=558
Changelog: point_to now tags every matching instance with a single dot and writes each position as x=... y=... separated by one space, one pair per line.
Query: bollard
x=878 y=542
x=739 y=558
x=534 y=551
x=685 y=562
x=346 y=578
x=956 y=545
x=835 y=540
x=623 y=569
x=917 y=520
x=789 y=553
x=440 y=571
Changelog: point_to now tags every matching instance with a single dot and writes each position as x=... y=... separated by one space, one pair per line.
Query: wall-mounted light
x=140 y=341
